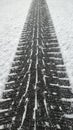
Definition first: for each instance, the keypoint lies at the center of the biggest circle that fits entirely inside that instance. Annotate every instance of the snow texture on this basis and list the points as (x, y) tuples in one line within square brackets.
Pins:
[(12, 18), (62, 16)]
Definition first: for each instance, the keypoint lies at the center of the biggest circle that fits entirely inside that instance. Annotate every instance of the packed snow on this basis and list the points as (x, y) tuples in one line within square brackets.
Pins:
[(12, 18), (62, 16)]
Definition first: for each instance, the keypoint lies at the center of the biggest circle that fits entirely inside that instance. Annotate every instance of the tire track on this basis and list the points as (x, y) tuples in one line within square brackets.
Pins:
[(37, 95)]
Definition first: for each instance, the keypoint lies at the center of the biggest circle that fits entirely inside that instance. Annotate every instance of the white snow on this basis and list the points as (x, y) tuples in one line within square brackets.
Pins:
[(1, 127), (67, 99), (3, 100), (62, 16), (69, 116), (24, 114), (62, 86), (12, 18), (58, 126), (3, 110), (45, 104)]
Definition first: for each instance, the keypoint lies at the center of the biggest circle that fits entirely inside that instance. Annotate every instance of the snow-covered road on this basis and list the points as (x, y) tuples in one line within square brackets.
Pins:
[(12, 17), (62, 15)]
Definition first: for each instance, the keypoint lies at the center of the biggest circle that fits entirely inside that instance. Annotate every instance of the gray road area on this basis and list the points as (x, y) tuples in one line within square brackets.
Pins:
[(37, 95)]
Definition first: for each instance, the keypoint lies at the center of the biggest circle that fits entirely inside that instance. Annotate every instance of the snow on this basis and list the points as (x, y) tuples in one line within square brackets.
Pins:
[(24, 114), (69, 116), (67, 99), (12, 18), (62, 16)]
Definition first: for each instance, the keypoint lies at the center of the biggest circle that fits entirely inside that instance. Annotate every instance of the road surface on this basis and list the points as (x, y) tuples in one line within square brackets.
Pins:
[(37, 95)]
